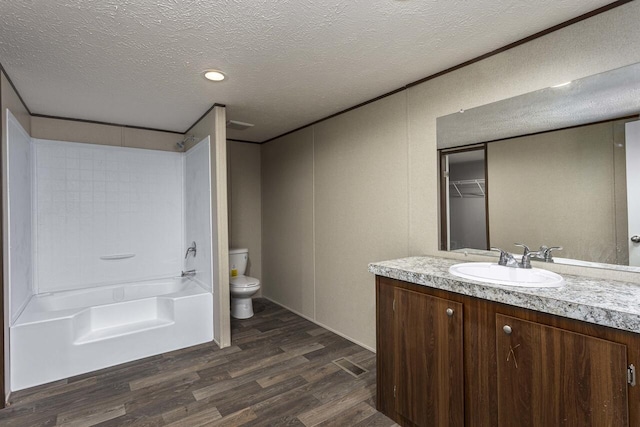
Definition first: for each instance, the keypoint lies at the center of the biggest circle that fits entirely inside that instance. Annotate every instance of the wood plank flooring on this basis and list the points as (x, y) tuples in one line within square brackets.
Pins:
[(278, 372)]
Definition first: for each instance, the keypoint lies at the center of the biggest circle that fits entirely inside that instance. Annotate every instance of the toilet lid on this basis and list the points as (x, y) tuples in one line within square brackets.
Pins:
[(243, 281)]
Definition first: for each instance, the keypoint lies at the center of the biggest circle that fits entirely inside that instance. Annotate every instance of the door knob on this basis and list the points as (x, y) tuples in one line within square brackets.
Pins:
[(449, 312), (507, 329), (635, 239)]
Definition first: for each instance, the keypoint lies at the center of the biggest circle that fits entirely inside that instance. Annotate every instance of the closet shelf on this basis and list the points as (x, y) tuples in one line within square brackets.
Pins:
[(467, 188)]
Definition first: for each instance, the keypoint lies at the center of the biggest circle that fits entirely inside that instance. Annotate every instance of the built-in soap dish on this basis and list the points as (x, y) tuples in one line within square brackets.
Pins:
[(350, 367), (115, 257)]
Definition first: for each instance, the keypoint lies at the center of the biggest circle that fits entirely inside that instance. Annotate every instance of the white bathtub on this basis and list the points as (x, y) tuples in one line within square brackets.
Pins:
[(69, 333)]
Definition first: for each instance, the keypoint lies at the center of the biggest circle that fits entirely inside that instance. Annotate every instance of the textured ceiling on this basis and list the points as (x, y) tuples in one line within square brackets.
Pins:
[(288, 63)]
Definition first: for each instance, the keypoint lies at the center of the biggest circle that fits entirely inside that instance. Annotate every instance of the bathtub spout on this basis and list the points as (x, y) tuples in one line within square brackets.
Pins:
[(188, 273)]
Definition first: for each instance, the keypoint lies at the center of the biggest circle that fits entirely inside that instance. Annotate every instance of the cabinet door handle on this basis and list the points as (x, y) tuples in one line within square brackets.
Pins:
[(507, 329), (449, 312)]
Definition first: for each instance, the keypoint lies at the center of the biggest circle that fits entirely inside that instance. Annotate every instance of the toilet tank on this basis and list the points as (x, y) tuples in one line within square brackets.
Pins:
[(238, 261)]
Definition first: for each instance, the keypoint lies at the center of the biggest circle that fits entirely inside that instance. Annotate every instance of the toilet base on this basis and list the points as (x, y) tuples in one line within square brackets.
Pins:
[(241, 308)]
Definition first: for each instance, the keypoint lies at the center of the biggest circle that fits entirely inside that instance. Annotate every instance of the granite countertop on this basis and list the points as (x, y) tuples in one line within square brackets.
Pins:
[(603, 302)]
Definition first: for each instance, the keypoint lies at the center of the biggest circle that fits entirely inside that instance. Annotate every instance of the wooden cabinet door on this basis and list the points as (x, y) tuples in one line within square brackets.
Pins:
[(429, 376), (552, 377)]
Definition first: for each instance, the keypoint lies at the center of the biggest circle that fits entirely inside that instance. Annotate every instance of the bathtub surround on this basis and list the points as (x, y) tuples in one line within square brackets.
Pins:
[(9, 100), (197, 211), (212, 123), (20, 266), (95, 204), (63, 334), (106, 221)]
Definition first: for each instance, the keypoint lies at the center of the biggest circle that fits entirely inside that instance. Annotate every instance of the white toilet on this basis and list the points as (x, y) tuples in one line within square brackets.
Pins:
[(241, 287)]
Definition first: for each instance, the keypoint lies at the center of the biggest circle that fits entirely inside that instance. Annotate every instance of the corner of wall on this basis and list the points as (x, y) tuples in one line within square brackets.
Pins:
[(223, 303), (9, 100)]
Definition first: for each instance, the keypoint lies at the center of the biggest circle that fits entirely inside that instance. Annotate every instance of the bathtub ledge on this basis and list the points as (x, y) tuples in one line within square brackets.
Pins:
[(122, 330)]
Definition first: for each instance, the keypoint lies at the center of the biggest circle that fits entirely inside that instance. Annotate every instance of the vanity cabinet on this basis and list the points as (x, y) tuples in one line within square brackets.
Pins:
[(446, 359), (420, 369), (428, 360), (549, 376)]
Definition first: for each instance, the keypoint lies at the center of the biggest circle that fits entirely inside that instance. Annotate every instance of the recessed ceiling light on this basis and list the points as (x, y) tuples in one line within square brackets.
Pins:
[(214, 75)]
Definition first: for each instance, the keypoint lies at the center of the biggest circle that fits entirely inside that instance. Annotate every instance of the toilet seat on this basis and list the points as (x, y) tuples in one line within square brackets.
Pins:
[(241, 289), (243, 282)]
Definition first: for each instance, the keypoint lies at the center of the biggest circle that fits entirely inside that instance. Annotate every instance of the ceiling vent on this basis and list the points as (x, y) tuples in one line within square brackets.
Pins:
[(234, 124)]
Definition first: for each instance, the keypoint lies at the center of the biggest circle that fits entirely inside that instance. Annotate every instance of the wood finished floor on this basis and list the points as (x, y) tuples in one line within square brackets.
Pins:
[(278, 372)]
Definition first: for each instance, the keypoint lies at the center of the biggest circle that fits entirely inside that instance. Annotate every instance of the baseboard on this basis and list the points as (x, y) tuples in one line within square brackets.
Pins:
[(322, 325)]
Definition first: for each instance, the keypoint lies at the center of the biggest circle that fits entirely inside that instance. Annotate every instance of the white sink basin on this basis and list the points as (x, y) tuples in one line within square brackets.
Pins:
[(493, 273)]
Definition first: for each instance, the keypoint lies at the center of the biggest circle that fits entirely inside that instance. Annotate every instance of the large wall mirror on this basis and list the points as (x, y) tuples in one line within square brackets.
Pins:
[(555, 167)]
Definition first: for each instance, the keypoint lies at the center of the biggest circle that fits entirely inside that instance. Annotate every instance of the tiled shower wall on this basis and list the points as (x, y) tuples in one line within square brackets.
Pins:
[(20, 266), (197, 210), (95, 202)]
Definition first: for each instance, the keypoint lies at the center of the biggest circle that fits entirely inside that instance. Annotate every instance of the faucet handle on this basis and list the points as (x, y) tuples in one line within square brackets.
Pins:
[(504, 256), (526, 256), (546, 252), (190, 249)]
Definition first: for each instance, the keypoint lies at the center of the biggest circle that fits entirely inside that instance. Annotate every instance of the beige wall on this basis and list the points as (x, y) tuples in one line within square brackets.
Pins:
[(8, 100), (287, 222), (93, 133), (245, 213), (556, 189), (323, 220), (360, 209), (11, 101), (351, 219)]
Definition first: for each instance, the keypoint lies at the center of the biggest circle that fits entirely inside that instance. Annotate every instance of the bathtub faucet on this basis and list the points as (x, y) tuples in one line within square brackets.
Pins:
[(188, 273), (190, 249)]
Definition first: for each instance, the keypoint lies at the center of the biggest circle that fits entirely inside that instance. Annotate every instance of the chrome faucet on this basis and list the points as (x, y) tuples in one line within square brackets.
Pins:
[(508, 260), (188, 273), (190, 249), (526, 256), (544, 254)]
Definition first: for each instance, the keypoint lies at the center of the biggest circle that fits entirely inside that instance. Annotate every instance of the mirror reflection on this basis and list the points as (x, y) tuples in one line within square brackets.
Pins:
[(466, 201), (577, 187)]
